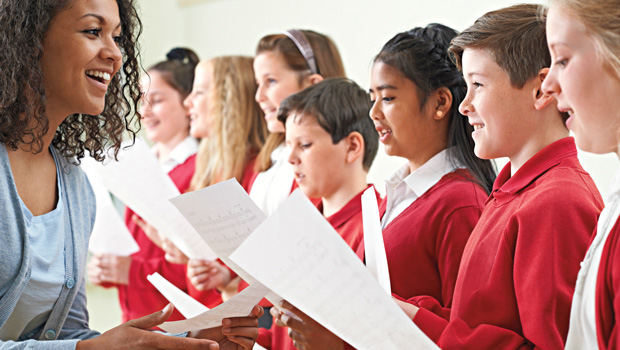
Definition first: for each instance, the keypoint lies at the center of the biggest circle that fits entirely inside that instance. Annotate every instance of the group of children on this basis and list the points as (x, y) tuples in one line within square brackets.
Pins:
[(477, 260)]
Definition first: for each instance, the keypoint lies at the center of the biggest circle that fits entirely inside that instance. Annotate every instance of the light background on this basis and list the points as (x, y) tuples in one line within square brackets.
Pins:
[(358, 27)]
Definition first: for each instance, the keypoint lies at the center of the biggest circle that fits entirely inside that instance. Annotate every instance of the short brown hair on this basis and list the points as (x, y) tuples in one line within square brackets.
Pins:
[(340, 107), (516, 38)]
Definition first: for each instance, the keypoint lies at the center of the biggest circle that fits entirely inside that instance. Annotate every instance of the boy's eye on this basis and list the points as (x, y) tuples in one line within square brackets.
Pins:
[(271, 81), (476, 84), (305, 145), (388, 99), (561, 62)]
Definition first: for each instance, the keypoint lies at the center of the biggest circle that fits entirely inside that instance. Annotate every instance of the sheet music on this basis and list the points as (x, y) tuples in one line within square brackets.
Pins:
[(224, 215), (139, 182), (185, 304), (376, 259), (298, 255), (110, 235), (240, 305)]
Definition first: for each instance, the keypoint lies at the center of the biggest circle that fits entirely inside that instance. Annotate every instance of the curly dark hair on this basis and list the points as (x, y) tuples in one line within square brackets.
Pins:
[(23, 120)]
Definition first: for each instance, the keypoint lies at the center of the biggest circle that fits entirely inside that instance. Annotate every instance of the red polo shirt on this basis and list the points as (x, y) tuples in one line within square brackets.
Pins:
[(519, 267)]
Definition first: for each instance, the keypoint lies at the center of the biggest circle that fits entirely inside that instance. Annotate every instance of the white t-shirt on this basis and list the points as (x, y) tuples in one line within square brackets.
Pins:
[(272, 187), (582, 327)]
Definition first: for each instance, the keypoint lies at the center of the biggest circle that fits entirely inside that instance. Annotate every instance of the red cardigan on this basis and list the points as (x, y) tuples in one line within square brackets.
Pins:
[(608, 292), (424, 243), (139, 297), (349, 224), (519, 268)]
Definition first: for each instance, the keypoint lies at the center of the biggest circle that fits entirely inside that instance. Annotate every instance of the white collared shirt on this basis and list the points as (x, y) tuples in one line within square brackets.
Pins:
[(403, 187), (272, 187), (185, 149), (582, 327)]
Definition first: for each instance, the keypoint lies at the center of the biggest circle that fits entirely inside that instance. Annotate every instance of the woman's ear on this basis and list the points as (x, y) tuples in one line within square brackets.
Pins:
[(355, 147), (541, 99), (443, 103)]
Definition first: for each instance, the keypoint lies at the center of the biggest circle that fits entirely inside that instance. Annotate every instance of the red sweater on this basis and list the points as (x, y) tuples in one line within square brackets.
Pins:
[(348, 223), (425, 242), (608, 292), (139, 297), (519, 268)]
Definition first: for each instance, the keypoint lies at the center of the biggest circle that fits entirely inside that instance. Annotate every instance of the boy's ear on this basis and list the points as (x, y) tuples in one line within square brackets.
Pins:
[(541, 99), (355, 147), (443, 103)]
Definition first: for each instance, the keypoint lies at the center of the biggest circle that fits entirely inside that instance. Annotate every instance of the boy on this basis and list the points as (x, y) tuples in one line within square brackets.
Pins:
[(332, 143), (520, 264)]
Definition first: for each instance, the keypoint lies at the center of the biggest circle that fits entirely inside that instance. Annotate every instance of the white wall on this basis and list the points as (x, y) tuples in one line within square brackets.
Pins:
[(359, 28)]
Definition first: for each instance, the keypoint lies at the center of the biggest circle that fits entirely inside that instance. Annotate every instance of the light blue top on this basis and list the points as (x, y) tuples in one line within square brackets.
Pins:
[(46, 235), (67, 322)]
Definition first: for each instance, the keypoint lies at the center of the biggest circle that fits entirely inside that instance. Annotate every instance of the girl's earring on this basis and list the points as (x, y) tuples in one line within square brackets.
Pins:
[(439, 114)]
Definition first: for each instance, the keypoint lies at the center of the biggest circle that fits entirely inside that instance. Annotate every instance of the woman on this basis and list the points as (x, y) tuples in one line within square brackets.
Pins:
[(61, 96), (584, 41)]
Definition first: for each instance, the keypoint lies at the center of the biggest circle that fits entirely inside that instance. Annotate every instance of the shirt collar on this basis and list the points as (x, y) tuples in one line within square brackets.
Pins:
[(180, 153), (539, 164), (426, 176), (352, 208)]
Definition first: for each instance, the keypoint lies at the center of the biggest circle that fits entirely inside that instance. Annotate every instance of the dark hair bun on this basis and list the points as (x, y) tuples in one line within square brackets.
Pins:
[(184, 55)]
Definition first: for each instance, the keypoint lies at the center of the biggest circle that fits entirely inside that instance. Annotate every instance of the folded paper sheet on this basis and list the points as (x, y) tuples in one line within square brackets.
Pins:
[(110, 235), (224, 215), (298, 255), (376, 260), (148, 196), (185, 304), (240, 305)]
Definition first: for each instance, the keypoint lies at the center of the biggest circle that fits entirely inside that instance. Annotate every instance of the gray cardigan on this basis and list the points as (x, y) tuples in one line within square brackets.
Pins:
[(68, 321)]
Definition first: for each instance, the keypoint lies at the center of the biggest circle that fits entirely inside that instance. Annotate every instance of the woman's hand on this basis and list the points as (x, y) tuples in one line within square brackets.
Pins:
[(135, 335), (236, 333), (205, 275), (108, 268), (306, 334)]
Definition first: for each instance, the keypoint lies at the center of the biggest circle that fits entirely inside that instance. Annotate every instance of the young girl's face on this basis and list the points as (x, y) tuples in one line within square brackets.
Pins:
[(80, 56), (404, 127), (164, 117), (583, 84), (201, 101), (275, 83)]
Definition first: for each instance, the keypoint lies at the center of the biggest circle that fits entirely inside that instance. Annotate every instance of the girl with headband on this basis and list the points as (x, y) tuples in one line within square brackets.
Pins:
[(584, 41), (69, 84)]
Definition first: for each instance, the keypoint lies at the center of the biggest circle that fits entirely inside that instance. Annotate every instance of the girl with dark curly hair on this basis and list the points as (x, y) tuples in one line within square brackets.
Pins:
[(60, 95)]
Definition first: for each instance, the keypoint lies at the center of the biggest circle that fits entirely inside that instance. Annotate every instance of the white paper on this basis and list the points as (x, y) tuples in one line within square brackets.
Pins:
[(376, 260), (298, 255), (258, 347), (139, 182), (224, 215), (185, 304), (240, 305), (110, 235)]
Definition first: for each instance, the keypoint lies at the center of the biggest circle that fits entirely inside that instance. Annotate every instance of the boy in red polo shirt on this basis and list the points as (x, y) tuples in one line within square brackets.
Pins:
[(332, 144), (519, 267)]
